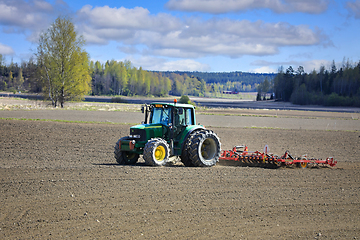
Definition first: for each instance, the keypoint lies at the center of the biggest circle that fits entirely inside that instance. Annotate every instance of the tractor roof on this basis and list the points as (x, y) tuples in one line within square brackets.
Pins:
[(182, 105)]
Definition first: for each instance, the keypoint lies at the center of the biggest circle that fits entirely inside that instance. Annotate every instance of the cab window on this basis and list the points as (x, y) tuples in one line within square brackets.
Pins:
[(180, 117), (189, 116), (161, 115)]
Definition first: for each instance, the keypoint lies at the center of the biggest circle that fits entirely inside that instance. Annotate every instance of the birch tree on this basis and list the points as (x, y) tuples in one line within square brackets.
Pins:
[(63, 63)]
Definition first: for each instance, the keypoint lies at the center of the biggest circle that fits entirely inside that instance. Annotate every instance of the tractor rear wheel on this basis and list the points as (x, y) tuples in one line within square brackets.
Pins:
[(185, 156), (204, 150), (156, 152), (125, 158)]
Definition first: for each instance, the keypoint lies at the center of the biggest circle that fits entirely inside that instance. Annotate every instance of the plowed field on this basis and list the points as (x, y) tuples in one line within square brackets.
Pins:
[(60, 180)]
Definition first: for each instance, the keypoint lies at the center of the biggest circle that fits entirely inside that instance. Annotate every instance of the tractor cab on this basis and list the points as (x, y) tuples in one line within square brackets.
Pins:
[(169, 114), (173, 119)]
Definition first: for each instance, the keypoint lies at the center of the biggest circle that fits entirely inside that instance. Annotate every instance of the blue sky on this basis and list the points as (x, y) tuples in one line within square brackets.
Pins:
[(194, 35)]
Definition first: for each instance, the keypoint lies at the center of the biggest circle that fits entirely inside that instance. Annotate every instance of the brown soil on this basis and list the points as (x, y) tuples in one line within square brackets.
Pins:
[(60, 180)]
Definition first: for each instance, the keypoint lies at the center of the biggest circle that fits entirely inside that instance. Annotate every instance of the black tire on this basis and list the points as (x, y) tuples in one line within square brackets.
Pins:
[(156, 152), (205, 149), (125, 158), (185, 155)]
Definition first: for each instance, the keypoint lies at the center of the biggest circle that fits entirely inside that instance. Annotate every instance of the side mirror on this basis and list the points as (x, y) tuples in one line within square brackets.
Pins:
[(142, 109)]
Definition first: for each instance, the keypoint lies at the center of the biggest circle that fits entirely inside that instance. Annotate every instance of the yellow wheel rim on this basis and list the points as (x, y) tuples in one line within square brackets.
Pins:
[(160, 153), (303, 164)]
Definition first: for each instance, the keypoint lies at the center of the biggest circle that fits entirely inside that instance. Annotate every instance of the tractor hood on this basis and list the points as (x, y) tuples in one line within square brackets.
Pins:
[(142, 132)]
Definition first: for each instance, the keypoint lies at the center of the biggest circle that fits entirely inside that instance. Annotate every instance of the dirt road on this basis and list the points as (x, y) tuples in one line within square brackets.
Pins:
[(59, 180)]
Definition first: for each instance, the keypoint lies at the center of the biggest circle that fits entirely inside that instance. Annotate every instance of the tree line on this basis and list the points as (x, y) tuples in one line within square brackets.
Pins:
[(121, 78), (329, 87), (224, 77), (218, 82), (18, 78)]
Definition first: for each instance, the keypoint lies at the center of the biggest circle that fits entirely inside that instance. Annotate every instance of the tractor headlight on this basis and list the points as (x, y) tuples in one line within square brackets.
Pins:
[(134, 136)]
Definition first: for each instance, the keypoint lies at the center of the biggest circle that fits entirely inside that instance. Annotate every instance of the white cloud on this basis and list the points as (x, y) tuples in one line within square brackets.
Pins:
[(22, 14), (6, 50), (128, 49), (315, 64), (34, 15), (226, 6), (308, 66), (123, 18), (185, 65), (42, 5), (166, 35), (354, 8), (161, 64), (265, 69)]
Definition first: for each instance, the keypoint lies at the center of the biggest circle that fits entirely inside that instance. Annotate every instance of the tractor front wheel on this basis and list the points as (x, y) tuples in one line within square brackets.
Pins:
[(156, 152), (125, 158)]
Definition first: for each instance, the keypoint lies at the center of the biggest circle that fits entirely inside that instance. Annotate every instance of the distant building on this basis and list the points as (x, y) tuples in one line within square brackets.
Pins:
[(230, 92)]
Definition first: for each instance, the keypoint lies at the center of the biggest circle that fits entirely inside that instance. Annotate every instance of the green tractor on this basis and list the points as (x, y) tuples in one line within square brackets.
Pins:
[(169, 130)]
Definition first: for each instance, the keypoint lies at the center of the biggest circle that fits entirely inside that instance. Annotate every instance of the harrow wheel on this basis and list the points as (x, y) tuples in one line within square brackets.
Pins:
[(156, 152), (125, 158), (302, 165), (204, 150)]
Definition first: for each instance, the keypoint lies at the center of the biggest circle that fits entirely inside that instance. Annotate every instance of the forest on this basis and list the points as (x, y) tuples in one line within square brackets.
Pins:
[(329, 87), (117, 78)]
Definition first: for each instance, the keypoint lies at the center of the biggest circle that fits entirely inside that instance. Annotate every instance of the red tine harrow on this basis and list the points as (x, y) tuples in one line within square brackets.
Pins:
[(242, 155)]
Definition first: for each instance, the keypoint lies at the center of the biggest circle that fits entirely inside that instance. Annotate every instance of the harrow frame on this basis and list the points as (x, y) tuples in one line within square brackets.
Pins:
[(242, 154)]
